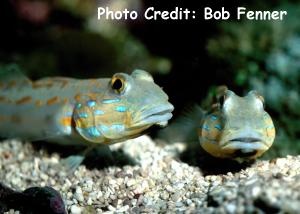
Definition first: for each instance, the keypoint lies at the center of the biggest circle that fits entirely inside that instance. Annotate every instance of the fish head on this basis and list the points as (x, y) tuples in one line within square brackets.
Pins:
[(129, 105), (240, 128)]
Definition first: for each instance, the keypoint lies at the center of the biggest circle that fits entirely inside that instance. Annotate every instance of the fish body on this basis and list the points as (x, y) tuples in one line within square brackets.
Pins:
[(237, 127), (81, 112)]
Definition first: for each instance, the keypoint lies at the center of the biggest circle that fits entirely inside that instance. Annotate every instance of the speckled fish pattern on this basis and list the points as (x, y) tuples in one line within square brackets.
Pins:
[(73, 111), (238, 127)]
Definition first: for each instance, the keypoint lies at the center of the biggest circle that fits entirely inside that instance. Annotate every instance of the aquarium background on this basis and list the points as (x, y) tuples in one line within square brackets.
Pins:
[(189, 59)]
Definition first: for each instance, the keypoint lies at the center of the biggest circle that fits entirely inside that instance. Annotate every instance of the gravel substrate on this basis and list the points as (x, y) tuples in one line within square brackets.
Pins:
[(158, 182)]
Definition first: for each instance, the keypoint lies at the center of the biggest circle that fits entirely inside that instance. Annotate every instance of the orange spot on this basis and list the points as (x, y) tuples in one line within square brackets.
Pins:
[(16, 119), (77, 97), (42, 85), (66, 121), (63, 83), (36, 85), (38, 103), (11, 84), (57, 80), (2, 98), (52, 100), (128, 119), (199, 131), (271, 132), (66, 100), (93, 82), (92, 96), (2, 118), (23, 100), (49, 85)]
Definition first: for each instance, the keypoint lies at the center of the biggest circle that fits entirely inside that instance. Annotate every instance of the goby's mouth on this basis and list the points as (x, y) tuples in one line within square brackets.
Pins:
[(159, 116), (246, 144)]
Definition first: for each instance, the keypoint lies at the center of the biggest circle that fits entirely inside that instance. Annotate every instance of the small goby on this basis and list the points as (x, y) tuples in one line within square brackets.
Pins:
[(238, 127), (81, 112)]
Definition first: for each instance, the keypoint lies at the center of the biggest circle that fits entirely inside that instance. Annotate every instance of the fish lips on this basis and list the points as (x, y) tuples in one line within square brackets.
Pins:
[(159, 116), (246, 144)]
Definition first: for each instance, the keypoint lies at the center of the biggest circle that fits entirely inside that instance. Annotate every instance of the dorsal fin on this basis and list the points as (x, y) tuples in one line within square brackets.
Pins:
[(184, 128), (12, 74)]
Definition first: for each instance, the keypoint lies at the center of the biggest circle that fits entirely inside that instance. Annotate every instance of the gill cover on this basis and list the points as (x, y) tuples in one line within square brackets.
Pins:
[(95, 114), (84, 119)]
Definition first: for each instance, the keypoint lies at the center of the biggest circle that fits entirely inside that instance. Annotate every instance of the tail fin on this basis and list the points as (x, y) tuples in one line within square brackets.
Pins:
[(184, 128)]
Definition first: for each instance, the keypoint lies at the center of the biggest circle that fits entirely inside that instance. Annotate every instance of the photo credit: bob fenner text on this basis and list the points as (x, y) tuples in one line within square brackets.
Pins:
[(243, 13), (179, 13)]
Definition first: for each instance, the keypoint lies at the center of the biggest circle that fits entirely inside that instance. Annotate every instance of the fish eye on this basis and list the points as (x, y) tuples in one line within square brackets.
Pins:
[(261, 100), (221, 94), (222, 100), (118, 84), (260, 97)]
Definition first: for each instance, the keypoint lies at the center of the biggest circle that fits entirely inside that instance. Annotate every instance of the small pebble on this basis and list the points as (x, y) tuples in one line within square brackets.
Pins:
[(75, 209), (78, 195), (158, 182)]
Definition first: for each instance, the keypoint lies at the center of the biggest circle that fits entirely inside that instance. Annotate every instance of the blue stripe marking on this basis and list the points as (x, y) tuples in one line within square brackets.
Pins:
[(93, 132), (118, 127), (104, 128), (108, 101), (98, 112), (218, 126), (91, 103), (205, 127), (213, 117), (121, 108), (114, 128), (69, 114), (82, 115), (78, 105)]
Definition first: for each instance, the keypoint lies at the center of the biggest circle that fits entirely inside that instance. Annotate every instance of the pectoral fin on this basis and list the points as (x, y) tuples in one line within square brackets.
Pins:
[(72, 162), (184, 128)]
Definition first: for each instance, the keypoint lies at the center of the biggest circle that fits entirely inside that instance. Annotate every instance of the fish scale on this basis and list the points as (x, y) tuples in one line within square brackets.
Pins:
[(80, 111), (235, 127), (239, 128)]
